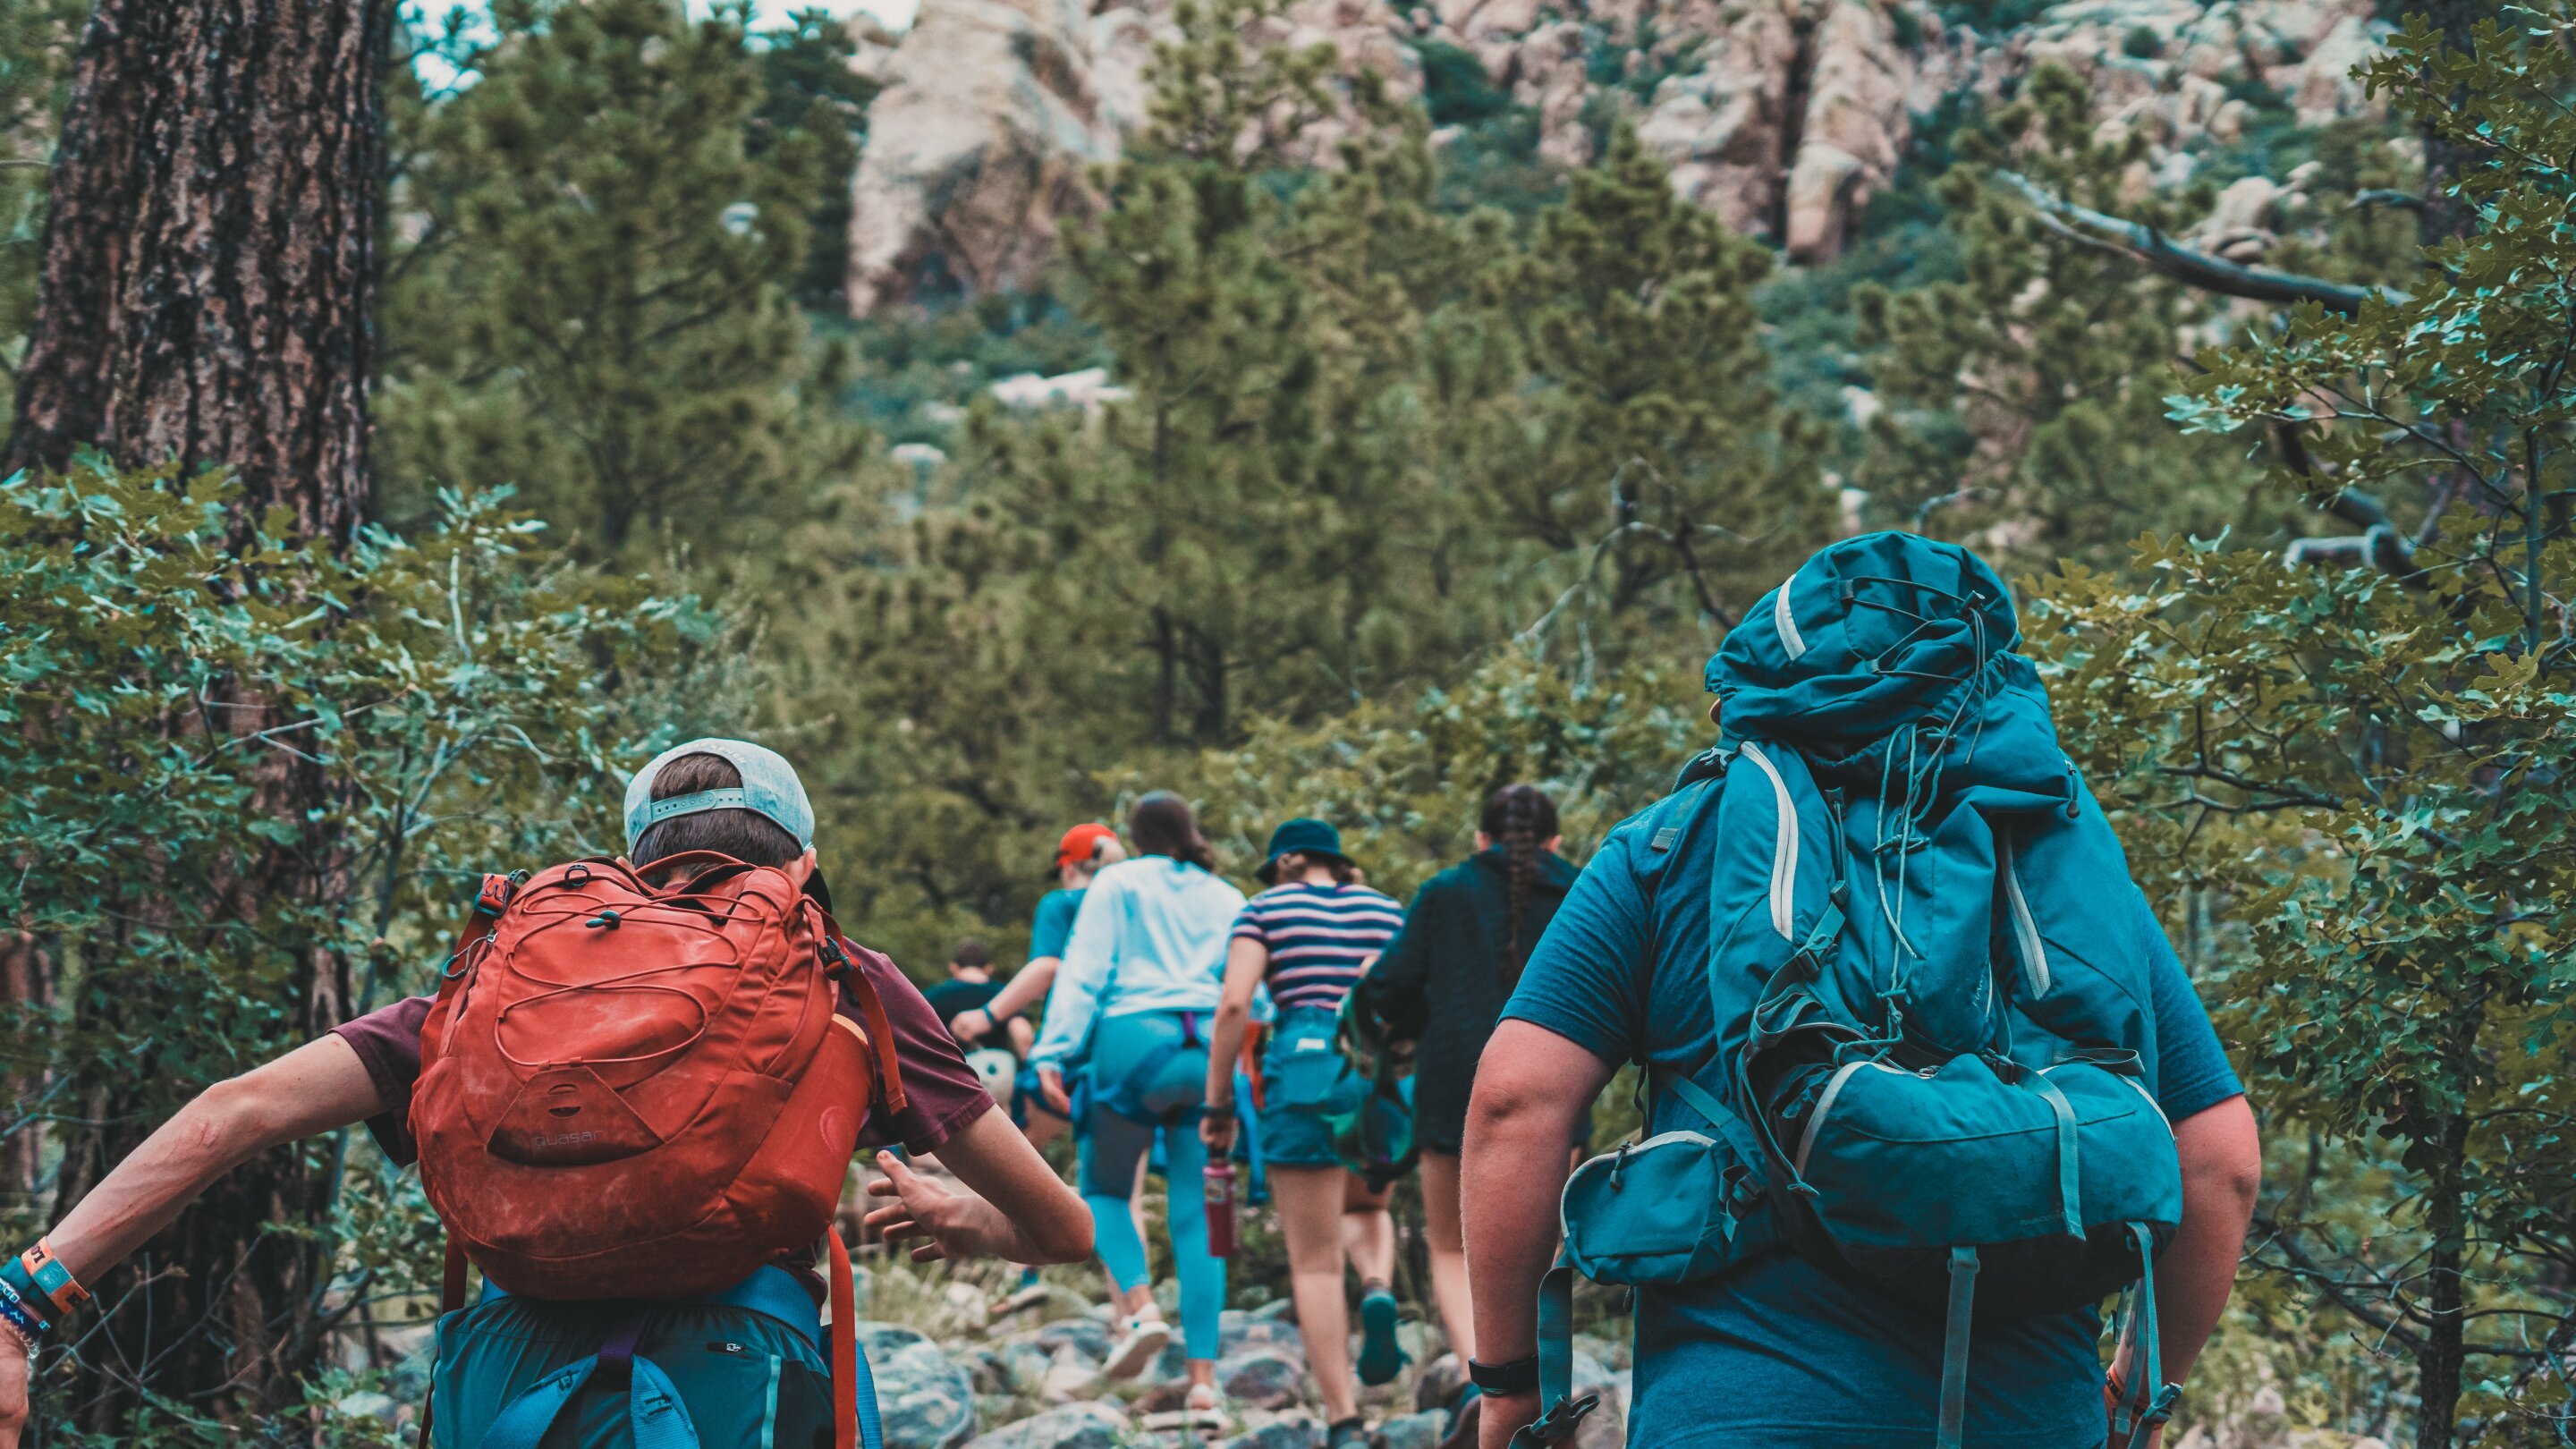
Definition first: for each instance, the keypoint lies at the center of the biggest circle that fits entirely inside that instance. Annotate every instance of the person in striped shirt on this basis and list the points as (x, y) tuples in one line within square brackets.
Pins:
[(1309, 938)]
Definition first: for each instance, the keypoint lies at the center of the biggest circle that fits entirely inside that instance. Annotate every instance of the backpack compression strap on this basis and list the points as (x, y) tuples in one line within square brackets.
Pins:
[(2138, 1417), (1563, 1412), (854, 1390), (1954, 1346)]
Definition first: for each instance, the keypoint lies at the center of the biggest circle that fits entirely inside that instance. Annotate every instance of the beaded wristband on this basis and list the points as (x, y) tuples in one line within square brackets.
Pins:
[(21, 1314)]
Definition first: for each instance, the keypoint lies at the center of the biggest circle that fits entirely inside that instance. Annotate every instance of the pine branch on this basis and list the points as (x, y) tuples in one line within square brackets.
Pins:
[(2188, 265)]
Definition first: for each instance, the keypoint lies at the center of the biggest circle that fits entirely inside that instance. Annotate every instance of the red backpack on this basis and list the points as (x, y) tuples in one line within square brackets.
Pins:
[(625, 1084)]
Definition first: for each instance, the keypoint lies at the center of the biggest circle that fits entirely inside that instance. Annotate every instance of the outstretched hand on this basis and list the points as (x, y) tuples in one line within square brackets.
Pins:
[(954, 1223), (13, 1385)]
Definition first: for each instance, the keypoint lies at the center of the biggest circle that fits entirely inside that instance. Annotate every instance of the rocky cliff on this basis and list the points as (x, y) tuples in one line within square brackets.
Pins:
[(1784, 116)]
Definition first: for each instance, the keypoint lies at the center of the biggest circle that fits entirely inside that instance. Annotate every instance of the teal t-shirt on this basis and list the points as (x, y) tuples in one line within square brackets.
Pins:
[(1776, 1353), (1054, 925)]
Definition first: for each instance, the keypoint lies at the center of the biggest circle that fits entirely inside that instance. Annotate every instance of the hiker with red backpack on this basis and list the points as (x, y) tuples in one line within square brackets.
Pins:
[(634, 1097), (1925, 1084)]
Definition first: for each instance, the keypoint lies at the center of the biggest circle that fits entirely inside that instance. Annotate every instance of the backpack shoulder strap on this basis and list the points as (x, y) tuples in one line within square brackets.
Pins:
[(1664, 823), (840, 960)]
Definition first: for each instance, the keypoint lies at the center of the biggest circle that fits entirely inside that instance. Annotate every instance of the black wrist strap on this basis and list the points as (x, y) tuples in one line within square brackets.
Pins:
[(1520, 1376)]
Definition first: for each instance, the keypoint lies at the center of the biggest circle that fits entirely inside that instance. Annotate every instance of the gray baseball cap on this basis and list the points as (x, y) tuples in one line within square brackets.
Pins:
[(769, 786)]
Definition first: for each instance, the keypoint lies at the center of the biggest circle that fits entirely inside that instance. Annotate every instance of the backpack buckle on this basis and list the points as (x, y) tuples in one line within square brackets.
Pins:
[(1558, 1424)]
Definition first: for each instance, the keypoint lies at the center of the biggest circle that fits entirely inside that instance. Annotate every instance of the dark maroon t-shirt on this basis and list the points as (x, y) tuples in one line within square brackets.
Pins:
[(942, 1094)]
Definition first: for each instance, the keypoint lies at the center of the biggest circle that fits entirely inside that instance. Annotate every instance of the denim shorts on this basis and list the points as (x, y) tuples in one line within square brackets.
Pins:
[(1305, 1081)]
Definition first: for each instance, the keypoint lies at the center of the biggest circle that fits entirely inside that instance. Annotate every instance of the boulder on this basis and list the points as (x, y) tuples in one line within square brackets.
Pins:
[(925, 1399), (994, 112), (1263, 1377), (976, 148), (1723, 126), (1412, 1431), (1439, 1383), (1237, 1331), (1855, 131), (1292, 1431), (1089, 1336), (1074, 1426), (1071, 1375)]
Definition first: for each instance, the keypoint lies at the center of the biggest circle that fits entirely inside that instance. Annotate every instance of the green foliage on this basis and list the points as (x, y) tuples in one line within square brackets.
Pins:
[(1404, 779), (1654, 447), (446, 705), (454, 704), (2023, 398), (2364, 766), (36, 40), (594, 307), (1455, 88)]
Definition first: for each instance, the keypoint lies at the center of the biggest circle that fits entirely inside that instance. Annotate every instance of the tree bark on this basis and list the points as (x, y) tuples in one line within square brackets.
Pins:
[(205, 300), (2442, 1360), (210, 251)]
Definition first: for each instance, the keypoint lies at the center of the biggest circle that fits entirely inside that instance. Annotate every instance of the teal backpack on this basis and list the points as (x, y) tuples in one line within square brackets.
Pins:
[(1935, 1064)]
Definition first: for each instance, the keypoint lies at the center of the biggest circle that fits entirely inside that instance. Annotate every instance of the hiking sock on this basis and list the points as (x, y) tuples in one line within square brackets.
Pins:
[(1381, 1357), (1346, 1432)]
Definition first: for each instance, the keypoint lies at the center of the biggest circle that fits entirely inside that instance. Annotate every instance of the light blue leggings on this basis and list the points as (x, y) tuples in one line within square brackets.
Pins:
[(1149, 1080)]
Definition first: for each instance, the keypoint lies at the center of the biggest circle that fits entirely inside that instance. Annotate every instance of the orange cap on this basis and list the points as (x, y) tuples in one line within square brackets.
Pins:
[(1081, 842)]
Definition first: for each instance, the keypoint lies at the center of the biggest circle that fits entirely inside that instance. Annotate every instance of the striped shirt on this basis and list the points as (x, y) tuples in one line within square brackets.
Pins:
[(1319, 937)]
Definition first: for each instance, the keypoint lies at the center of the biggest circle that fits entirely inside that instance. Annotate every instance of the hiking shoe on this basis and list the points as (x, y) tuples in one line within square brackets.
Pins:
[(1348, 1434), (1142, 1337), (1381, 1358)]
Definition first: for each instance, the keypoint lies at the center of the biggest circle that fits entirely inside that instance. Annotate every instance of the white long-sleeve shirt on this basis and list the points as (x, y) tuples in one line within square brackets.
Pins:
[(1151, 936)]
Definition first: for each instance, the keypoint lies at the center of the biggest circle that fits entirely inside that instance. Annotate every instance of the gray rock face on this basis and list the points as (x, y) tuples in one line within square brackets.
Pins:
[(925, 1399), (1074, 1426)]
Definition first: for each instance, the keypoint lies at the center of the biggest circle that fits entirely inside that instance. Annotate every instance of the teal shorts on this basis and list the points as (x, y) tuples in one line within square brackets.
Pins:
[(1304, 1082), (747, 1378)]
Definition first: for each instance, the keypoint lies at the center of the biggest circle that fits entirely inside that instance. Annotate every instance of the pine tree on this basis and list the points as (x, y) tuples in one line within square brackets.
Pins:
[(209, 264), (597, 309), (1654, 455), (207, 281), (2025, 400)]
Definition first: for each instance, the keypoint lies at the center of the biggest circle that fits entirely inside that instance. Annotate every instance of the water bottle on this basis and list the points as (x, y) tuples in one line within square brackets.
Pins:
[(1217, 1181)]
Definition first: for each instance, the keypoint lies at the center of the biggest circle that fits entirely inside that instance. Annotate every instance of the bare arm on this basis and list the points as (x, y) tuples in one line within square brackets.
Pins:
[(1023, 991), (316, 1088), (1246, 962), (1020, 1209), (2222, 1169), (1531, 1088), (313, 1089)]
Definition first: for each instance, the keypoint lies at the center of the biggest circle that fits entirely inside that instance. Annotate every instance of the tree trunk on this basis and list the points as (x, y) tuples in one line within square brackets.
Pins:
[(210, 251), (205, 300), (2441, 1361)]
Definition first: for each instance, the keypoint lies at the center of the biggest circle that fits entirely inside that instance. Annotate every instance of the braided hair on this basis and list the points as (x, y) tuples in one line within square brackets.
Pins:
[(1521, 819)]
